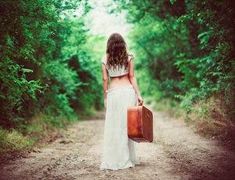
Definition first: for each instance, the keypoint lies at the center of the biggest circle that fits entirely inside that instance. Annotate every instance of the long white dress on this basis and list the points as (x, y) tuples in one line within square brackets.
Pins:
[(118, 150)]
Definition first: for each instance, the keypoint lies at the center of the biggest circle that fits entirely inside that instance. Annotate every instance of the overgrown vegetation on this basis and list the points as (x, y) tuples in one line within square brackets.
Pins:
[(188, 46), (45, 65), (50, 64)]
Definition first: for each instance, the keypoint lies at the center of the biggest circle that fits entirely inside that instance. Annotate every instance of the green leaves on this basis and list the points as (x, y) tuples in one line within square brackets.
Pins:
[(204, 38), (173, 1), (36, 47), (25, 70), (15, 88), (187, 46), (59, 74)]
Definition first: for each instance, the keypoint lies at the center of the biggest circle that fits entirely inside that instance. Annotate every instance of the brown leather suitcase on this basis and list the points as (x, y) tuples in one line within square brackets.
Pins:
[(140, 123)]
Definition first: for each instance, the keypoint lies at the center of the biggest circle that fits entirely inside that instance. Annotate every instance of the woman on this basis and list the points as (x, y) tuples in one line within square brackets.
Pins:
[(118, 150)]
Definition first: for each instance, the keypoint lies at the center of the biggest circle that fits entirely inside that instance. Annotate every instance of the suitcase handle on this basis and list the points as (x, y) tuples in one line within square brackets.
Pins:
[(139, 104)]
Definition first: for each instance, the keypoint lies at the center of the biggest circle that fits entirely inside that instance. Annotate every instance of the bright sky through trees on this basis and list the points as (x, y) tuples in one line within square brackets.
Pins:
[(101, 22)]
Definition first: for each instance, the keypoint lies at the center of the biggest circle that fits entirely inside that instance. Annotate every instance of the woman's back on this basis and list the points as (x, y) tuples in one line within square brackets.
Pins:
[(118, 76)]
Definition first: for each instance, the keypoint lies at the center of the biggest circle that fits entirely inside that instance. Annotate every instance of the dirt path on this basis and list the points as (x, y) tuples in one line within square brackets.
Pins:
[(176, 153)]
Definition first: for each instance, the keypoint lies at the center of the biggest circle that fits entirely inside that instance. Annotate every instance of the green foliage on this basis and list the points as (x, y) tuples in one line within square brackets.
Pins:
[(13, 141), (38, 42), (184, 51), (15, 89), (187, 46)]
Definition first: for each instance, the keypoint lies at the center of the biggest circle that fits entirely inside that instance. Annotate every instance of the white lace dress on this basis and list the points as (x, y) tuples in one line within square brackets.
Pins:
[(118, 150)]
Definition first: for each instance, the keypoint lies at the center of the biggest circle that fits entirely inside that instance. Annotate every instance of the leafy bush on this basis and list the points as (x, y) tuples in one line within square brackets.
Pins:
[(187, 46), (13, 140), (37, 41)]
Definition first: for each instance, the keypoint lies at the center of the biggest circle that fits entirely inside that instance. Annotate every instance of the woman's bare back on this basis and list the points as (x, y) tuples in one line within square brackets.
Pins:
[(119, 81)]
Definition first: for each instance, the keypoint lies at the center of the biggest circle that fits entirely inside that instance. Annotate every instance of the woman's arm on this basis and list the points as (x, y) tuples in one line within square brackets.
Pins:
[(133, 80), (105, 81)]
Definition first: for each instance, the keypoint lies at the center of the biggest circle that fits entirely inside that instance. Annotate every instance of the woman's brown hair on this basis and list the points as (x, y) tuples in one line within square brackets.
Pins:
[(116, 51)]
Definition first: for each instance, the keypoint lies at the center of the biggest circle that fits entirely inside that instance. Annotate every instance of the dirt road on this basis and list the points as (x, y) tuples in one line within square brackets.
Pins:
[(176, 153)]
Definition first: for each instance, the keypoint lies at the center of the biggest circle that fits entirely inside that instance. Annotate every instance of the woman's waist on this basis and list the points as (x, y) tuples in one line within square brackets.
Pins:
[(119, 82), (120, 87)]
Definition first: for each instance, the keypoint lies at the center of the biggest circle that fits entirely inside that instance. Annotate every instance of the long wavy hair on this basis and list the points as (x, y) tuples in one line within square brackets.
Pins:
[(116, 51)]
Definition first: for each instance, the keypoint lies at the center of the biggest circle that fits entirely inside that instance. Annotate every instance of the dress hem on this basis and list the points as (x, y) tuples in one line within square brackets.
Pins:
[(106, 166)]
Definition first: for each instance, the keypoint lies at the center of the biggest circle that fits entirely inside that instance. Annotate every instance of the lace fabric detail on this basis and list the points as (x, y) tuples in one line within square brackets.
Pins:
[(119, 71), (114, 72)]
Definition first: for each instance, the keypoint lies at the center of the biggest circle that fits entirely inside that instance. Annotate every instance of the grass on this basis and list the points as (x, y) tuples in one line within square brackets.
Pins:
[(209, 117), (171, 107), (14, 141), (41, 129)]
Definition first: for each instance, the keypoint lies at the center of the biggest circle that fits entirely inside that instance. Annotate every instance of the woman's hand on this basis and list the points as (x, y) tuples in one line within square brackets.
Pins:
[(140, 100)]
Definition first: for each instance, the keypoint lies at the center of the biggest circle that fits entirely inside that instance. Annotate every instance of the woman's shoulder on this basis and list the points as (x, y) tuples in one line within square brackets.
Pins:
[(130, 56), (104, 59)]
